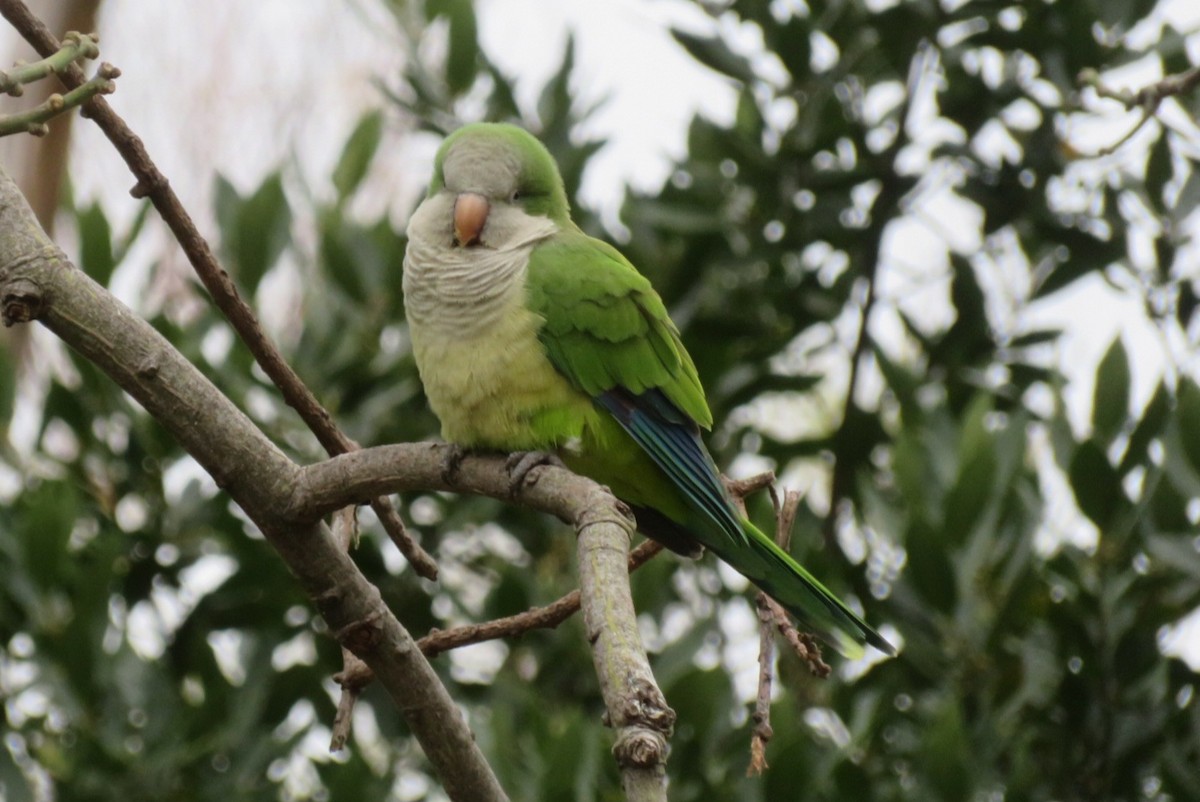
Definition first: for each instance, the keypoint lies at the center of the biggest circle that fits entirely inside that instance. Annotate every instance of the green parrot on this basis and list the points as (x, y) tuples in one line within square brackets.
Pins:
[(531, 336)]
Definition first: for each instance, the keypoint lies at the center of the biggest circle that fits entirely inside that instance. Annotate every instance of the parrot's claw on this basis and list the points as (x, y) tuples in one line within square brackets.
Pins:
[(520, 463), (451, 462)]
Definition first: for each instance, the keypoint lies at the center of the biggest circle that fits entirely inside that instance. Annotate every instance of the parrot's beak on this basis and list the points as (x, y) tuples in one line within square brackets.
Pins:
[(470, 215)]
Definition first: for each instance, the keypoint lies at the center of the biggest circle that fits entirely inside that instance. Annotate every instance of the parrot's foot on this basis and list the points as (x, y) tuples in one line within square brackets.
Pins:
[(455, 455), (520, 463)]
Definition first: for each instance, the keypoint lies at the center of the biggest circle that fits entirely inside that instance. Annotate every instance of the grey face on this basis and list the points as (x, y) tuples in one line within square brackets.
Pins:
[(489, 167)]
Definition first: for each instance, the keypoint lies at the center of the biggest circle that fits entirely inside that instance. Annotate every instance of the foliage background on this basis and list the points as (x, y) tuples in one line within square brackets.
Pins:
[(1031, 565)]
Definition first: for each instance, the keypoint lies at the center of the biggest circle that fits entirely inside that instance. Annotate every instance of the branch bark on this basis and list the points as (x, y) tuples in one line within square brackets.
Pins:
[(636, 707), (288, 501), (38, 283), (152, 184)]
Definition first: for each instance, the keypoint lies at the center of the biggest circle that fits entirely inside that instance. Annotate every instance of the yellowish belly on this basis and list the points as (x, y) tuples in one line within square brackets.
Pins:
[(497, 389)]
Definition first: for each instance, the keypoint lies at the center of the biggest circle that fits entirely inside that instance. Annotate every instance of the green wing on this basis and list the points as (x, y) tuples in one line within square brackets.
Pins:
[(607, 332), (606, 327)]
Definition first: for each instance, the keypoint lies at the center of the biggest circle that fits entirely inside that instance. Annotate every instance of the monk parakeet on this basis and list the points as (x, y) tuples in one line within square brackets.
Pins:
[(530, 335)]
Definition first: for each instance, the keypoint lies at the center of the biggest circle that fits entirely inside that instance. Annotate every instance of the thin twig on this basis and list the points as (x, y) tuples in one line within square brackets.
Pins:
[(772, 616), (546, 617), (345, 527), (1148, 98), (153, 184), (740, 488), (33, 121), (803, 644), (356, 675), (762, 702), (785, 517), (892, 190), (75, 46), (38, 283)]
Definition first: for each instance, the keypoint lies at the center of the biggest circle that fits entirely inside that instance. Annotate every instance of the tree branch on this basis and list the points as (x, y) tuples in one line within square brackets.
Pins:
[(636, 707), (762, 704), (356, 674), (1148, 98), (76, 47), (38, 283), (770, 614), (287, 502), (545, 617), (892, 190), (152, 184)]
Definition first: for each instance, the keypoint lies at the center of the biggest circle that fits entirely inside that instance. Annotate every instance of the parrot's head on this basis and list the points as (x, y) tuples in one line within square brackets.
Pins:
[(492, 184)]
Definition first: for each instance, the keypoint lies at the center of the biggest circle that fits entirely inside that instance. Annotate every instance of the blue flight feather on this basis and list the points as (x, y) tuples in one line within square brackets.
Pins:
[(673, 442)]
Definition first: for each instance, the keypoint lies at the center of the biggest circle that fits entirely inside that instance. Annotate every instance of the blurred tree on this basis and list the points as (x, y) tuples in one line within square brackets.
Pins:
[(859, 264), (40, 163)]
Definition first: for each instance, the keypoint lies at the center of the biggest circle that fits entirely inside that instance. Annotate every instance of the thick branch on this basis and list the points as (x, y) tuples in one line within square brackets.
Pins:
[(637, 709), (37, 283), (152, 184), (357, 675), (287, 502)]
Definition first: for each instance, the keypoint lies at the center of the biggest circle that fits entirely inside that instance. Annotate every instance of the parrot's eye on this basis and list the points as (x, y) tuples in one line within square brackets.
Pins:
[(515, 196)]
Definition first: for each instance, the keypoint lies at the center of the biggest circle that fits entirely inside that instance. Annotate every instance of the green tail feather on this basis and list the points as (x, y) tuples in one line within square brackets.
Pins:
[(672, 441), (801, 594)]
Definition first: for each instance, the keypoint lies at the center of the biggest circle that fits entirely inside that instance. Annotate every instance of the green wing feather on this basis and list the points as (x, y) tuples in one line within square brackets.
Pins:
[(605, 325), (607, 331)]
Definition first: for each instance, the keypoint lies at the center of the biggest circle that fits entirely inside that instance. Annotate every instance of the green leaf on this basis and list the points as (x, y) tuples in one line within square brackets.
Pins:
[(1096, 484), (793, 45), (1110, 401), (1122, 13), (972, 489), (714, 53), (1187, 413), (929, 563), (254, 229), (95, 244), (1145, 430), (1168, 507), (1189, 196), (47, 515), (13, 781), (555, 100), (139, 222), (945, 753), (357, 154), (1033, 338), (462, 57), (1158, 172), (1177, 552)]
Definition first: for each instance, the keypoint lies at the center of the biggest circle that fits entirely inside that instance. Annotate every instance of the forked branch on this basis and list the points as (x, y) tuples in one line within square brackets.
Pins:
[(75, 47)]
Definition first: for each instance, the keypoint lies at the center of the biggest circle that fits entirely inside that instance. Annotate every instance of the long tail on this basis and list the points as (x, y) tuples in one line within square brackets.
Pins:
[(801, 594), (673, 442)]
